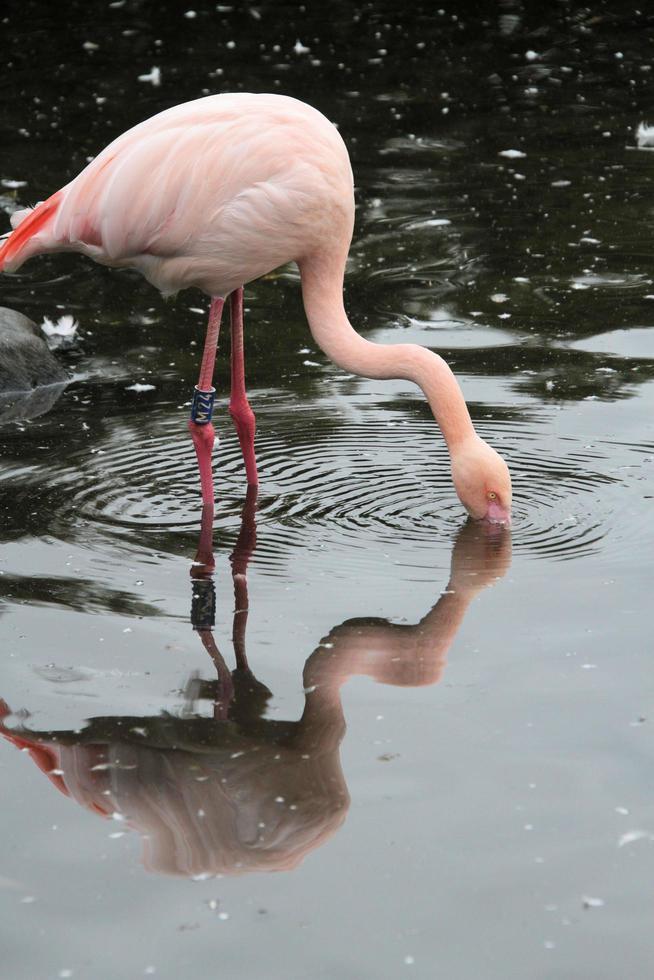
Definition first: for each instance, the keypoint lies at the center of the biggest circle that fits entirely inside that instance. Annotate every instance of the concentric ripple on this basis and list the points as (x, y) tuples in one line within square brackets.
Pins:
[(341, 480)]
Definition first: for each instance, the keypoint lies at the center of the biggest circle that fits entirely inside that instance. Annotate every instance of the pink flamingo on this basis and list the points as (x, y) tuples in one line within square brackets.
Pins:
[(220, 191)]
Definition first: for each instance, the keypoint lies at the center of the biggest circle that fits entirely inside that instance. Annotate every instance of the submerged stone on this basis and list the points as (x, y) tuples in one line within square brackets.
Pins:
[(31, 378)]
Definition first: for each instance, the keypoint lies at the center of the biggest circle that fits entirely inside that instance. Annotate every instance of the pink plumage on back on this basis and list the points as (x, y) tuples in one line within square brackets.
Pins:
[(213, 194)]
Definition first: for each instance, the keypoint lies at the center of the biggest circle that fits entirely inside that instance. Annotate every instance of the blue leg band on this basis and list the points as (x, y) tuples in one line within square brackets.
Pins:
[(202, 406)]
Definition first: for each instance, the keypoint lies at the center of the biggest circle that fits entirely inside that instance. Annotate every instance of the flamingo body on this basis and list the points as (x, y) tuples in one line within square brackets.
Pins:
[(212, 193)]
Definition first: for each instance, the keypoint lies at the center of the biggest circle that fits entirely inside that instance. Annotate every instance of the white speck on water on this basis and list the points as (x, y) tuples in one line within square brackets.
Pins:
[(153, 77), (190, 14), (59, 331), (589, 666), (27, 899), (592, 903), (196, 309), (128, 629), (300, 48), (520, 279), (138, 387), (409, 960), (633, 835), (549, 944), (379, 718), (549, 385), (499, 297), (201, 813), (531, 55), (589, 241), (619, 55), (213, 904), (231, 45), (279, 799), (236, 755), (65, 973), (223, 915), (560, 183), (622, 810), (13, 185), (644, 136), (117, 835), (504, 316), (101, 767), (90, 46), (203, 876), (117, 816), (311, 363), (149, 970), (512, 154)]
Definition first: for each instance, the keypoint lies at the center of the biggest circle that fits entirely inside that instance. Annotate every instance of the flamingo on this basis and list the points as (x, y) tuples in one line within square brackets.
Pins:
[(217, 192)]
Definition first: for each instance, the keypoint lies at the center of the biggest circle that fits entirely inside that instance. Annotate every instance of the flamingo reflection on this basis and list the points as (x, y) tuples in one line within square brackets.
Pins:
[(237, 791)]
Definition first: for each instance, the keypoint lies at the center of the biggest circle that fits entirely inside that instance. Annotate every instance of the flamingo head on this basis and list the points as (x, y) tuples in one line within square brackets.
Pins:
[(482, 481)]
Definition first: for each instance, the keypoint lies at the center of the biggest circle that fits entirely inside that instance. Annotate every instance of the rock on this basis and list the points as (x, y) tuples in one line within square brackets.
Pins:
[(31, 379)]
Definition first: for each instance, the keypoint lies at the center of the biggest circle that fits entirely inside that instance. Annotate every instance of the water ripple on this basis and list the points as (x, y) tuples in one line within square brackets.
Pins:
[(338, 478)]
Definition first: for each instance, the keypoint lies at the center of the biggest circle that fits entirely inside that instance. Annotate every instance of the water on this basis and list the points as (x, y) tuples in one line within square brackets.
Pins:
[(434, 757)]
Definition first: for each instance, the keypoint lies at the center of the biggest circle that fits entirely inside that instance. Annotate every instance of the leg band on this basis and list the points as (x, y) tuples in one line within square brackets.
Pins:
[(203, 604), (202, 406)]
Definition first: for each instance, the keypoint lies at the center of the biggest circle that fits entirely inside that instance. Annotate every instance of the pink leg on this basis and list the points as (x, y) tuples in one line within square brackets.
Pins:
[(243, 549), (202, 431), (239, 407)]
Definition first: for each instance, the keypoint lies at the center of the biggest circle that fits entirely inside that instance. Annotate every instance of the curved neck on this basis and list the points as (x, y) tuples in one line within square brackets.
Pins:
[(322, 291)]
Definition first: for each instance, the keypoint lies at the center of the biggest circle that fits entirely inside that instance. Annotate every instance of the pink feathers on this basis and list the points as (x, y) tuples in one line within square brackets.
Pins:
[(12, 253)]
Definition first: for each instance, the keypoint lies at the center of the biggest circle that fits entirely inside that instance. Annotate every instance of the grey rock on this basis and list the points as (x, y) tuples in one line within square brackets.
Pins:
[(31, 378)]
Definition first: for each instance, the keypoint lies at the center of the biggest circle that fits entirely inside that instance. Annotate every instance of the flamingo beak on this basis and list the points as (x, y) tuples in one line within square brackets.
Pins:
[(496, 514)]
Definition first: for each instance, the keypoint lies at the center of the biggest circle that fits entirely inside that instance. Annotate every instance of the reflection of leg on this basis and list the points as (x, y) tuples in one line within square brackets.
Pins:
[(225, 685), (200, 426), (239, 406), (204, 563), (243, 549), (250, 695)]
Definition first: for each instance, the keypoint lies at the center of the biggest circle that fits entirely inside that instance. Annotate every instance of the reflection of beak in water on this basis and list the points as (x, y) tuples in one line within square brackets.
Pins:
[(239, 792)]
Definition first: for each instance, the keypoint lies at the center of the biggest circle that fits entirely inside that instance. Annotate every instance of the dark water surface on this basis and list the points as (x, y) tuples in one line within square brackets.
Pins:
[(437, 761)]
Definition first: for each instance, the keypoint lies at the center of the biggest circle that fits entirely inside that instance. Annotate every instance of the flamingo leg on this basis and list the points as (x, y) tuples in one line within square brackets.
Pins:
[(200, 426), (243, 549), (239, 407)]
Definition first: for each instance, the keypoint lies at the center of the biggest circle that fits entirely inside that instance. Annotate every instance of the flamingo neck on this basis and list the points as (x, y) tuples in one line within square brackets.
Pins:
[(322, 291)]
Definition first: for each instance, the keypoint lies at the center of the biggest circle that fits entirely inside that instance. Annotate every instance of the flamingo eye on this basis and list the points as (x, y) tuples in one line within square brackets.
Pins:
[(492, 495)]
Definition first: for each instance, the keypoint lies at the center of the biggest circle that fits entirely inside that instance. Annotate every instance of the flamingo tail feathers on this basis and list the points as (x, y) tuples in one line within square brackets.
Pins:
[(26, 229)]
